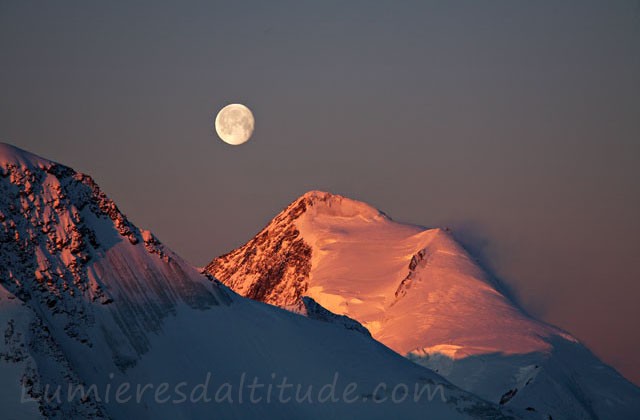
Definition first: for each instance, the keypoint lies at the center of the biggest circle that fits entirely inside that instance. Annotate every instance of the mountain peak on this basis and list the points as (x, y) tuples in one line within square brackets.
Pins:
[(12, 155), (315, 195), (324, 203)]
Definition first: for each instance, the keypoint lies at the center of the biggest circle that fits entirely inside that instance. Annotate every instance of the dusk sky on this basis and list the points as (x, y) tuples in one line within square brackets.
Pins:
[(517, 124)]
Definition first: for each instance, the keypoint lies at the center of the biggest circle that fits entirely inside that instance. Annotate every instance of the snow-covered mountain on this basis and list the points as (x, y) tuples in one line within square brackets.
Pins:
[(420, 293), (90, 302)]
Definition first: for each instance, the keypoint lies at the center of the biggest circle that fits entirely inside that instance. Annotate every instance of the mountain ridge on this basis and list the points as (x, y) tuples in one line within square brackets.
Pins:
[(88, 299)]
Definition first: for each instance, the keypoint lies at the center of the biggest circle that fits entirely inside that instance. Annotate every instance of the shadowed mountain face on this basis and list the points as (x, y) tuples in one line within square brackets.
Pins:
[(89, 300), (66, 245), (420, 293)]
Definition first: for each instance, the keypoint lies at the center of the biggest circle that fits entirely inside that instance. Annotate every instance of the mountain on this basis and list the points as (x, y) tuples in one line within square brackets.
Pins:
[(100, 320), (420, 293)]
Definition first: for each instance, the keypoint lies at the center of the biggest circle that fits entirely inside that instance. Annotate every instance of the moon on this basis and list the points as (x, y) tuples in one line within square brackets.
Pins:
[(234, 124)]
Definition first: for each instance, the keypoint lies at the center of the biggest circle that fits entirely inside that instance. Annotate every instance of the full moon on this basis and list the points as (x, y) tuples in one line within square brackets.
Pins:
[(234, 124)]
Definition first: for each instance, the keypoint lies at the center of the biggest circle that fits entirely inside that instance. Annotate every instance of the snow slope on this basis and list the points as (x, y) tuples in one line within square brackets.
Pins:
[(420, 293), (89, 300)]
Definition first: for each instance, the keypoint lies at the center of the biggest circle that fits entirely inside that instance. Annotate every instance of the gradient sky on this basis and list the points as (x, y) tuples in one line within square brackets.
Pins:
[(515, 123)]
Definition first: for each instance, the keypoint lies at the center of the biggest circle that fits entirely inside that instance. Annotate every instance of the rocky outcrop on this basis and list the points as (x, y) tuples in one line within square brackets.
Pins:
[(273, 267), (312, 309)]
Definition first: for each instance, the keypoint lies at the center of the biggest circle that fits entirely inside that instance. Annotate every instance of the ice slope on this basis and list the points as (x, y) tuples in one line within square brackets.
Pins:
[(420, 293), (88, 299)]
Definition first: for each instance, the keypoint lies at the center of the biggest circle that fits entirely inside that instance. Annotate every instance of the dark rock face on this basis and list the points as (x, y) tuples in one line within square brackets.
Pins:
[(405, 284), (314, 310), (506, 397), (48, 243), (277, 261), (35, 234)]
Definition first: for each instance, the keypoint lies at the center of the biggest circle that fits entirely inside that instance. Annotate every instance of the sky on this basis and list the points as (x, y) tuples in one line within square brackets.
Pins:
[(515, 123)]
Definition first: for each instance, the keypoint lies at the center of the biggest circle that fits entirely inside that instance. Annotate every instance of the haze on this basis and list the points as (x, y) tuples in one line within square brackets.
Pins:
[(516, 124)]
